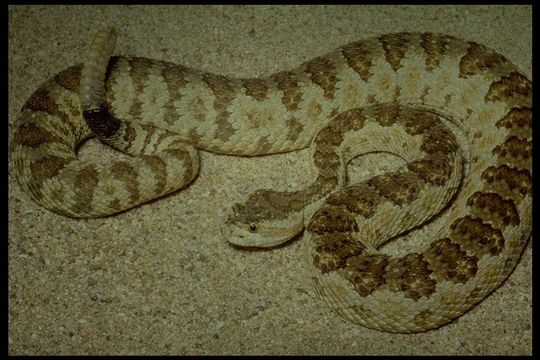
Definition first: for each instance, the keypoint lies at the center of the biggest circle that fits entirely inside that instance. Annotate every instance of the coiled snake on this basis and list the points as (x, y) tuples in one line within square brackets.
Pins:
[(414, 95)]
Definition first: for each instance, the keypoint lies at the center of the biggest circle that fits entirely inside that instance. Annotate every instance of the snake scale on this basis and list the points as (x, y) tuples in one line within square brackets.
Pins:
[(457, 113)]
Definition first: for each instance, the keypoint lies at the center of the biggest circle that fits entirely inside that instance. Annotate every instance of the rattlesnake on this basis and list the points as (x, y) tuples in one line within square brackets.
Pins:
[(412, 94)]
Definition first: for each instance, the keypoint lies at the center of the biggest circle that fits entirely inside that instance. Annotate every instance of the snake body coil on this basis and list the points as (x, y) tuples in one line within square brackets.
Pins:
[(407, 93)]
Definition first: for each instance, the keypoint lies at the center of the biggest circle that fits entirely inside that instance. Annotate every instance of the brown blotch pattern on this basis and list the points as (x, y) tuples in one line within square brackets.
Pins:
[(287, 82), (359, 199), (519, 120), (411, 275), (390, 115), (184, 157), (508, 87), (514, 148), (224, 91), (263, 145), (332, 219), (86, 181), (70, 78), (479, 59), (435, 169), (294, 129), (127, 174), (327, 161), (352, 119), (255, 88), (491, 205), (395, 46), (477, 237), (224, 129), (149, 133), (33, 135), (516, 181), (323, 73), (130, 135), (175, 76), (43, 102), (194, 136), (333, 250), (159, 168), (330, 135), (367, 272), (435, 47), (439, 140), (139, 70), (222, 88), (448, 260), (47, 167), (359, 57), (175, 79), (418, 122), (400, 188)]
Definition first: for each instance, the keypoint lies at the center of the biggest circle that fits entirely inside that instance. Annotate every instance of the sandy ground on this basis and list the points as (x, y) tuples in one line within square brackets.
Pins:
[(160, 279)]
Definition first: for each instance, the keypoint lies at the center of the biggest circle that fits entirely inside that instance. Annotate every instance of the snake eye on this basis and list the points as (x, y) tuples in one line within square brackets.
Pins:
[(252, 228)]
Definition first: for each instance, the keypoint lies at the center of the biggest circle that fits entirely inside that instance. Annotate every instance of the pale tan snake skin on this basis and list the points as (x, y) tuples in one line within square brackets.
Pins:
[(457, 113)]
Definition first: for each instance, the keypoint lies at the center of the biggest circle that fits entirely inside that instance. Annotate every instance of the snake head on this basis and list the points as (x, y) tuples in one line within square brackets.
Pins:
[(259, 223)]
